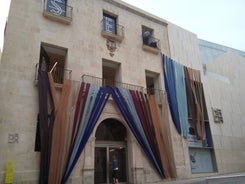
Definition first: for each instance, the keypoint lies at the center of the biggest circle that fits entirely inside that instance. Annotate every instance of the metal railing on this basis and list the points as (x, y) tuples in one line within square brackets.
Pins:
[(119, 29), (156, 92), (59, 74), (107, 82), (151, 42), (58, 9)]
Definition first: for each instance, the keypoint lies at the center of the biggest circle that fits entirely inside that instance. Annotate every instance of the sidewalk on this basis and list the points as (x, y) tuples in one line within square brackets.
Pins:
[(238, 178)]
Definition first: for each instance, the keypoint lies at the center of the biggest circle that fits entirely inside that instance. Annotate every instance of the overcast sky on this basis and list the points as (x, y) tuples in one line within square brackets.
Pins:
[(4, 8), (218, 21)]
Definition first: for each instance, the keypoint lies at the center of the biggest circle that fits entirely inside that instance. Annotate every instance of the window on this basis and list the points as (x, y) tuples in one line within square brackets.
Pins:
[(110, 27), (111, 130), (152, 84), (110, 73), (109, 23), (147, 35), (54, 56), (58, 10), (56, 7), (149, 42)]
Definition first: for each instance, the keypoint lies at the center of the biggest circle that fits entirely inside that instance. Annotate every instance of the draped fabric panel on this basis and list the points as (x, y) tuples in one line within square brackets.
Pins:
[(46, 119), (196, 101), (89, 102), (96, 100), (169, 77), (181, 98), (58, 135), (76, 113), (81, 100), (190, 98), (125, 104), (186, 97), (69, 125), (159, 137), (170, 86), (200, 110), (142, 109), (167, 138)]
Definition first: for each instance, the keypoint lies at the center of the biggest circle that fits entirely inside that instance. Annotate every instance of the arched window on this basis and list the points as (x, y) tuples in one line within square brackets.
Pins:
[(111, 130)]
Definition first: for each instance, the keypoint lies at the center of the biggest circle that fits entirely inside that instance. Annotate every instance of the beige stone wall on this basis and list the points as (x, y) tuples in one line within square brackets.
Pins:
[(86, 48), (18, 95), (224, 89), (27, 29), (183, 49), (183, 46), (224, 84)]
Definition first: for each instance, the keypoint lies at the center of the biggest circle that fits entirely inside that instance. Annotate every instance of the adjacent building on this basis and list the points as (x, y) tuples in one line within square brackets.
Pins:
[(85, 81)]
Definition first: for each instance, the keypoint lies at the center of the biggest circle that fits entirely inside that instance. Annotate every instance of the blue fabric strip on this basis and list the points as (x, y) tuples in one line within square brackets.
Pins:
[(96, 103), (125, 104), (93, 90), (169, 79), (181, 98)]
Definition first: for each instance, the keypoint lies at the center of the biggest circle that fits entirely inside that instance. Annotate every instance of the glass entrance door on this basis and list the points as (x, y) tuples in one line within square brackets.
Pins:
[(100, 168), (110, 142), (103, 164)]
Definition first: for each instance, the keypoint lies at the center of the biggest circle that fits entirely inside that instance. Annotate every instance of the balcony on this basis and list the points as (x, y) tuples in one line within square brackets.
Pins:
[(117, 34), (151, 44), (58, 11), (58, 73), (105, 82)]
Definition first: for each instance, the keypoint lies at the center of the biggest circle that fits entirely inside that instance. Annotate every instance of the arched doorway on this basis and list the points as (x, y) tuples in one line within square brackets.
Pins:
[(110, 141)]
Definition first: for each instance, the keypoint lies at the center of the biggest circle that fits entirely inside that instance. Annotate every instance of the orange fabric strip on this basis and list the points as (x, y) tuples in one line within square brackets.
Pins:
[(159, 136), (58, 136)]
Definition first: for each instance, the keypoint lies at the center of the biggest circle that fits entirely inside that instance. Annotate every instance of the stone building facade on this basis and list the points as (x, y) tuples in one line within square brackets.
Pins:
[(103, 42)]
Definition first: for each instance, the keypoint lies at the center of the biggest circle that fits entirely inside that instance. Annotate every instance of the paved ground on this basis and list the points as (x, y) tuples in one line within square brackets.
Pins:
[(222, 179)]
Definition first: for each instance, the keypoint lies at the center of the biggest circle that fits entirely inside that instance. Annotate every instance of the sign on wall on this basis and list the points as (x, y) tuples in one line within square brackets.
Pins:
[(218, 118)]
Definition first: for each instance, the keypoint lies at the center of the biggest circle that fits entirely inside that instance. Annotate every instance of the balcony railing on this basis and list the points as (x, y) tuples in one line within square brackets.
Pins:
[(105, 82), (118, 33), (59, 74), (156, 92), (108, 82), (58, 11), (151, 44)]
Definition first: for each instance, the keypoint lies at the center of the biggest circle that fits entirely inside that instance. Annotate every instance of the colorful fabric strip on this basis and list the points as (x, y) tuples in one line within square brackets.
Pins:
[(125, 104), (170, 86), (69, 140), (181, 98), (46, 123)]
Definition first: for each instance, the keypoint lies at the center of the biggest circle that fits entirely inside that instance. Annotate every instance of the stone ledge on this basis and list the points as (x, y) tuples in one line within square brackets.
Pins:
[(58, 18), (151, 49)]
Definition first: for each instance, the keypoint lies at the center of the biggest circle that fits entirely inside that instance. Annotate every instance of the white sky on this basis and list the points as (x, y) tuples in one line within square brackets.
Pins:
[(4, 8), (218, 21)]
